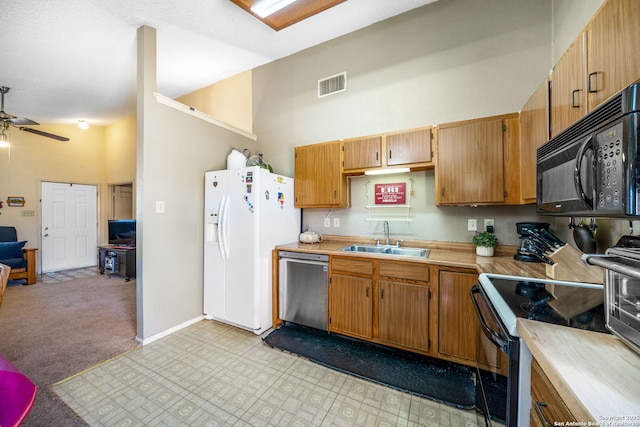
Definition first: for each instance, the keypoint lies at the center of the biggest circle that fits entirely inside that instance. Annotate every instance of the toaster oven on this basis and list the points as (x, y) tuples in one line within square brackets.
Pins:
[(622, 291)]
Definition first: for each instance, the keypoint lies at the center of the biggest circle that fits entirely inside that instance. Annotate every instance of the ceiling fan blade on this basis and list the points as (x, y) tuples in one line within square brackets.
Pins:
[(41, 133), (22, 121)]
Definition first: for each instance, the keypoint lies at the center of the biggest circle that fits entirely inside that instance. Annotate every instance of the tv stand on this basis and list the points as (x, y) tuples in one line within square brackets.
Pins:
[(116, 259)]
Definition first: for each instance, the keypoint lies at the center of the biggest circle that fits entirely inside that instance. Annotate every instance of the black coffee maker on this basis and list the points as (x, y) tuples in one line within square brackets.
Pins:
[(524, 253)]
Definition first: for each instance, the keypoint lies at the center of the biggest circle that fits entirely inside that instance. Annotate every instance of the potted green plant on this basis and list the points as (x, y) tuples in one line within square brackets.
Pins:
[(485, 243)]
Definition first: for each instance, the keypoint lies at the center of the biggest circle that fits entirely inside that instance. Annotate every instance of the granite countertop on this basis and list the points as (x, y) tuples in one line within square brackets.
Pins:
[(597, 375), (461, 255)]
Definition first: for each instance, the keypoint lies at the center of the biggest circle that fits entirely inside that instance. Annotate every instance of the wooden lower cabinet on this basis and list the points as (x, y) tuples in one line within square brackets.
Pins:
[(459, 337), (381, 301), (457, 324), (403, 314), (401, 305), (351, 305), (547, 407)]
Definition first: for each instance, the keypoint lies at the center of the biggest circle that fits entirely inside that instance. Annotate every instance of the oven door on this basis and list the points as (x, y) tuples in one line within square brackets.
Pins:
[(497, 366)]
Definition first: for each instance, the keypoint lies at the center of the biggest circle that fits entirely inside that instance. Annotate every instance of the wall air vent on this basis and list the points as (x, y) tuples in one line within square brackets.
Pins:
[(332, 84)]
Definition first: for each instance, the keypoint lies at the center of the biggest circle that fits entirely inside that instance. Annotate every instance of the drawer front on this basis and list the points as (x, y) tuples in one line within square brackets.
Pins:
[(408, 271), (352, 265), (546, 403)]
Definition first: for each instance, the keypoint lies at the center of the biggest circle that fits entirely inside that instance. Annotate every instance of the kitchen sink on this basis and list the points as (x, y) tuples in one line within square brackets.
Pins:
[(387, 250)]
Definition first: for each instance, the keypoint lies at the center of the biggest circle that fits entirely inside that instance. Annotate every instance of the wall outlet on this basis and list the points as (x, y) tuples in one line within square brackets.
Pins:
[(336, 222), (327, 222), (489, 223), (472, 225)]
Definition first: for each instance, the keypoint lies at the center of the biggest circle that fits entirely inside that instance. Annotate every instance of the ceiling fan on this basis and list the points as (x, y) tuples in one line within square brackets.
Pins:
[(18, 122)]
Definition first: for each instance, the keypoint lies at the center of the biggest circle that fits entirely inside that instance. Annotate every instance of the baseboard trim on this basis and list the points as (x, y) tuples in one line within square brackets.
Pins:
[(152, 338)]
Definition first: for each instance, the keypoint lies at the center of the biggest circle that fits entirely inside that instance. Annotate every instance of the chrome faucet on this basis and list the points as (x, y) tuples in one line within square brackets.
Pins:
[(385, 229)]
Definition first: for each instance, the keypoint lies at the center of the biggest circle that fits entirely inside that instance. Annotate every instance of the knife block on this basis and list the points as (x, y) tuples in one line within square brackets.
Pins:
[(570, 267)]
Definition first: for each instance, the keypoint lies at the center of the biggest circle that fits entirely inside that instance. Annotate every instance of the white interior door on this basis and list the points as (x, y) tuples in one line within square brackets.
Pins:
[(69, 226)]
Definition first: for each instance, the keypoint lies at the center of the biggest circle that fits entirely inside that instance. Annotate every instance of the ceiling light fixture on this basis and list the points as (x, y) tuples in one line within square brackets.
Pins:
[(83, 125), (265, 8), (386, 171)]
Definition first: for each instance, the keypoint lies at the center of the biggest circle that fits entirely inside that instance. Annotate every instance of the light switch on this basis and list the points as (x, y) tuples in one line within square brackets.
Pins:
[(159, 206)]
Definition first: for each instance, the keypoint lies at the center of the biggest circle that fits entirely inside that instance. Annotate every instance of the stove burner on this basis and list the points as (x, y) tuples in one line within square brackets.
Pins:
[(535, 291)]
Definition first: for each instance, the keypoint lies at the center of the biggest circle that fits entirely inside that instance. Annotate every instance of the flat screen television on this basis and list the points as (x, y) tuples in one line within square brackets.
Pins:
[(122, 232)]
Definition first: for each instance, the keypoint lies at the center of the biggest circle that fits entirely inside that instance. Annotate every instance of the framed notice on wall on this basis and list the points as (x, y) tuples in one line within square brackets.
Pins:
[(391, 194)]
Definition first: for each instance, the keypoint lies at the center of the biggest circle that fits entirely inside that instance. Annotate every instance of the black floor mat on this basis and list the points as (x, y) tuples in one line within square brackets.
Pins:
[(424, 376)]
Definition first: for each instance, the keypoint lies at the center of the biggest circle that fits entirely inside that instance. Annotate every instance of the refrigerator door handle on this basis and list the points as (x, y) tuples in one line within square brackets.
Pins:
[(222, 228)]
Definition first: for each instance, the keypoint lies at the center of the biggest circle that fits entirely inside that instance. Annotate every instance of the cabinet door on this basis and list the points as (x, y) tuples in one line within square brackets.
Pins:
[(613, 49), (404, 314), (351, 305), (457, 324), (362, 153), (534, 131), (568, 94), (471, 163), (459, 335), (318, 176), (409, 147)]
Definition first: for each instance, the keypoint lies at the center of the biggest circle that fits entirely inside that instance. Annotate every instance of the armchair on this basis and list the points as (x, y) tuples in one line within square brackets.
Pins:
[(4, 278), (13, 253)]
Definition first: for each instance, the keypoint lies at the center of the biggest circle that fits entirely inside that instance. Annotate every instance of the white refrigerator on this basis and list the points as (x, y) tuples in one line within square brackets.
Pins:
[(248, 211)]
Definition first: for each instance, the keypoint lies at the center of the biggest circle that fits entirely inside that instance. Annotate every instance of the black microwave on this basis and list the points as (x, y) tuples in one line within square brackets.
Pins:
[(591, 168)]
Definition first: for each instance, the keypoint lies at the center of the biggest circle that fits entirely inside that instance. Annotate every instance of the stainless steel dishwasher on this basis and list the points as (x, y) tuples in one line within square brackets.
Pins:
[(304, 289)]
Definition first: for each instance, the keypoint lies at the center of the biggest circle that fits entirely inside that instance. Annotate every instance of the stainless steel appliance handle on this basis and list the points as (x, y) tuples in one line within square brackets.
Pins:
[(490, 333), (576, 174), (608, 262)]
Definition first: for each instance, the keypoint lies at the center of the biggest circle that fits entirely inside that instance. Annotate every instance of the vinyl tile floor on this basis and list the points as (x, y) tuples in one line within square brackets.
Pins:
[(213, 374)]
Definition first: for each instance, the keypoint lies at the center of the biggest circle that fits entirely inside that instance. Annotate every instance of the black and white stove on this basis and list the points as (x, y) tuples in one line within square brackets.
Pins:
[(499, 301), (523, 297)]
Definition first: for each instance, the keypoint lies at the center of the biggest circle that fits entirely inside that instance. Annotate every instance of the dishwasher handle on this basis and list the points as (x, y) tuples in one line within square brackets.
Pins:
[(307, 256)]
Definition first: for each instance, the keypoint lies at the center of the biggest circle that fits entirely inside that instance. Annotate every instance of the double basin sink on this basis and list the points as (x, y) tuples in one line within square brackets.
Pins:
[(387, 250)]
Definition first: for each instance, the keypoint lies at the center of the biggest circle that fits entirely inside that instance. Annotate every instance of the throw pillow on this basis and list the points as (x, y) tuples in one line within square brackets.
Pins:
[(9, 250)]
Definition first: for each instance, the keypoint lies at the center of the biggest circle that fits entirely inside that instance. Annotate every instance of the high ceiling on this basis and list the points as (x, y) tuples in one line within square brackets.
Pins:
[(66, 60)]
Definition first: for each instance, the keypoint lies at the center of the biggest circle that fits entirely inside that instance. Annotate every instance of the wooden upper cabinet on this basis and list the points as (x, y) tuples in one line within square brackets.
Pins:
[(318, 180), (405, 148), (568, 87), (411, 148), (613, 40), (362, 153), (471, 162), (534, 131)]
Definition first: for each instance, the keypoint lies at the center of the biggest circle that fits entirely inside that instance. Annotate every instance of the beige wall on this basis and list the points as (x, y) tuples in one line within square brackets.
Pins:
[(229, 101), (174, 150), (444, 62), (32, 159), (569, 19)]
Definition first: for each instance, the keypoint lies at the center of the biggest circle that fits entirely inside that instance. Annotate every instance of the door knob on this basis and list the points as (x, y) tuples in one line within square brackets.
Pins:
[(46, 234)]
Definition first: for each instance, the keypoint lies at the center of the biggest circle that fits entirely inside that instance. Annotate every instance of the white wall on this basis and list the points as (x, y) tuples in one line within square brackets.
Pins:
[(444, 62)]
